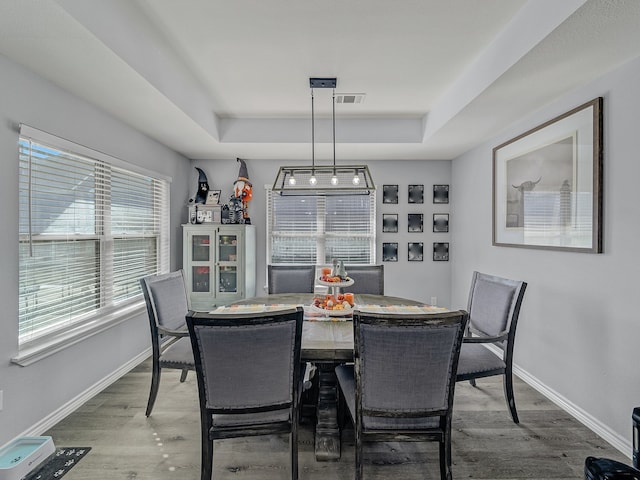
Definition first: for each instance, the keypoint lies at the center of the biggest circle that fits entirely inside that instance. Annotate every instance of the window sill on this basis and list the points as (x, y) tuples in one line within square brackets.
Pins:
[(58, 342)]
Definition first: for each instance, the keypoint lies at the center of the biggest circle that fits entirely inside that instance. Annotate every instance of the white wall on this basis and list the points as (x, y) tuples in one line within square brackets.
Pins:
[(32, 394), (416, 280), (579, 327)]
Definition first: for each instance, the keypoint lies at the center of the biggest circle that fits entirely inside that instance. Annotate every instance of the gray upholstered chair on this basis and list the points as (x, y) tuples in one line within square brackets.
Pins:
[(367, 279), (401, 385), (494, 307), (291, 278), (167, 307), (248, 370)]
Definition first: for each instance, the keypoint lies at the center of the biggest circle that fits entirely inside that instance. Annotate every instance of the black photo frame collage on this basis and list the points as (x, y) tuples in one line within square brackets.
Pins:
[(415, 223)]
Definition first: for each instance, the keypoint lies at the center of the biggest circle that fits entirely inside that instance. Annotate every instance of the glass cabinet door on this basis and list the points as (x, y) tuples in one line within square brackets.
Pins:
[(200, 267), (228, 281), (227, 263)]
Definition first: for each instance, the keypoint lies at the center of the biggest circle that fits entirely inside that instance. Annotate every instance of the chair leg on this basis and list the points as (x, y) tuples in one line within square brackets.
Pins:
[(183, 375), (472, 382), (206, 467), (294, 450), (155, 383), (445, 458), (359, 454), (508, 394)]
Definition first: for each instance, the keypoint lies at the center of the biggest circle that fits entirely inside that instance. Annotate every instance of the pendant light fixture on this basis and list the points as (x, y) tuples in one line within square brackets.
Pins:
[(321, 179)]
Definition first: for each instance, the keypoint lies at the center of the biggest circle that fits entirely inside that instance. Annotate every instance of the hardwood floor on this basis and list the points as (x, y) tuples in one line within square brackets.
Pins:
[(548, 443)]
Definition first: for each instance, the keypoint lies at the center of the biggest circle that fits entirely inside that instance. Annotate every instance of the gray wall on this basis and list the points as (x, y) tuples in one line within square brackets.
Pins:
[(578, 335), (34, 393), (416, 280)]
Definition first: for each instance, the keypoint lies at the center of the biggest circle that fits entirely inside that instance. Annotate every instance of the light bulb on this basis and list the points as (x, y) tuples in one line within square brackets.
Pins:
[(356, 179), (292, 180), (313, 180), (334, 180)]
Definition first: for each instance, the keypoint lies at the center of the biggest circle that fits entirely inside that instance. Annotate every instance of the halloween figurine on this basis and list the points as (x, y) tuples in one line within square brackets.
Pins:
[(243, 190), (203, 187)]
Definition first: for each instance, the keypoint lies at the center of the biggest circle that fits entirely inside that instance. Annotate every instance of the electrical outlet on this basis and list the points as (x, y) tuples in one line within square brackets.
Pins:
[(434, 301)]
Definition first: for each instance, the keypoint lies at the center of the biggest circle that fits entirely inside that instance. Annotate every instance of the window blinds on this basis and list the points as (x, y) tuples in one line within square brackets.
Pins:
[(316, 229), (88, 231)]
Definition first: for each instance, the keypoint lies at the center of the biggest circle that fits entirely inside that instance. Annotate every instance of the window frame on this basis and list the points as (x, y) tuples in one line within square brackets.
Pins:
[(320, 233), (111, 309)]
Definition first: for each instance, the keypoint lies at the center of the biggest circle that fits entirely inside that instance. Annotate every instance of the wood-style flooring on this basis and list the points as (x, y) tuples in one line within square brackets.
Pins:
[(547, 444)]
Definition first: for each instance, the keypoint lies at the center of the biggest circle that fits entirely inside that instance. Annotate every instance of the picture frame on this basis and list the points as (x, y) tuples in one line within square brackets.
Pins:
[(390, 194), (213, 197), (440, 222), (415, 194), (390, 223), (415, 222), (547, 184), (441, 251), (415, 251), (390, 252), (441, 194)]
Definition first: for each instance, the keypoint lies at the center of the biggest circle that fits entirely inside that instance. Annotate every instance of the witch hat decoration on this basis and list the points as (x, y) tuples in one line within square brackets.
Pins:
[(203, 187)]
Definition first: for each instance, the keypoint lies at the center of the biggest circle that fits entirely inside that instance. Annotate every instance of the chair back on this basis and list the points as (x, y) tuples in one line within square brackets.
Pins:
[(291, 278), (166, 299), (494, 306), (368, 279), (247, 362), (405, 365)]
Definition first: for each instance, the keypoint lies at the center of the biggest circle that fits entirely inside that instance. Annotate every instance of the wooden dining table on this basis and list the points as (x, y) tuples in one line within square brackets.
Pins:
[(326, 342)]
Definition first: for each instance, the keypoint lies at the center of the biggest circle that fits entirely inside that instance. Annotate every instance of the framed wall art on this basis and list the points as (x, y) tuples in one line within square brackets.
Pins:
[(416, 194), (415, 222), (547, 184), (441, 252), (415, 251), (390, 222), (441, 194), (390, 194), (390, 252), (440, 222)]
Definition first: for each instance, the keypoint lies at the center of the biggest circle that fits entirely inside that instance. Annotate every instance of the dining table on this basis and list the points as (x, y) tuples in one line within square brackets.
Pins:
[(327, 341)]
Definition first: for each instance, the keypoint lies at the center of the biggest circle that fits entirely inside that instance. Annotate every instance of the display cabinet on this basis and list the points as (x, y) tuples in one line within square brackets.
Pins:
[(219, 263)]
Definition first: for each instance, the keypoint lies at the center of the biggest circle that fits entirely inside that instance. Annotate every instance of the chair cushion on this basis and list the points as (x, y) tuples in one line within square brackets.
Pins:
[(291, 279), (346, 379), (178, 353), (476, 358), (490, 306), (368, 279), (170, 299)]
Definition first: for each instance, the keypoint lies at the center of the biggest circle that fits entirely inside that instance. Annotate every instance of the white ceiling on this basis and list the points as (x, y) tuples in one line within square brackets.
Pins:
[(217, 79)]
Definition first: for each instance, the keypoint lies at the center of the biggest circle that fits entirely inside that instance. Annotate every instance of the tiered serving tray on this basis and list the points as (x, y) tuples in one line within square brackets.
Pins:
[(346, 283), (343, 312)]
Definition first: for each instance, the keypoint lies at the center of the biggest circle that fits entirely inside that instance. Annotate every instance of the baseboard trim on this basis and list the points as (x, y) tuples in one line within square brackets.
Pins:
[(617, 441), (68, 408)]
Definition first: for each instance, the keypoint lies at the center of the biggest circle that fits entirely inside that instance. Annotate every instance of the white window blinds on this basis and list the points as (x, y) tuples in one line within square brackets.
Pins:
[(89, 229), (316, 229)]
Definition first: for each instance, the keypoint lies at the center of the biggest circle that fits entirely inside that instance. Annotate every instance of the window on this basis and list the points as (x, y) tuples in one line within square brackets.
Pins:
[(316, 229), (90, 227)]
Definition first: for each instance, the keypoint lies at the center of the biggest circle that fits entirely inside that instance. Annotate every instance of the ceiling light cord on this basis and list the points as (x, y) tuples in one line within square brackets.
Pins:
[(334, 178), (312, 179)]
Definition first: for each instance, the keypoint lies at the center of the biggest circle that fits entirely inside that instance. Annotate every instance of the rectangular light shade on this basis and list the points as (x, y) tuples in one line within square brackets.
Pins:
[(351, 180)]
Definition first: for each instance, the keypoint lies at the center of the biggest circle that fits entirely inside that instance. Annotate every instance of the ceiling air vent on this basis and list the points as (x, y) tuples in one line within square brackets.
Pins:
[(348, 98)]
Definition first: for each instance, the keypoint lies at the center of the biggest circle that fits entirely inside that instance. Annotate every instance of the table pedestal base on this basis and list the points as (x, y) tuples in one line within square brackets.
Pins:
[(327, 436)]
